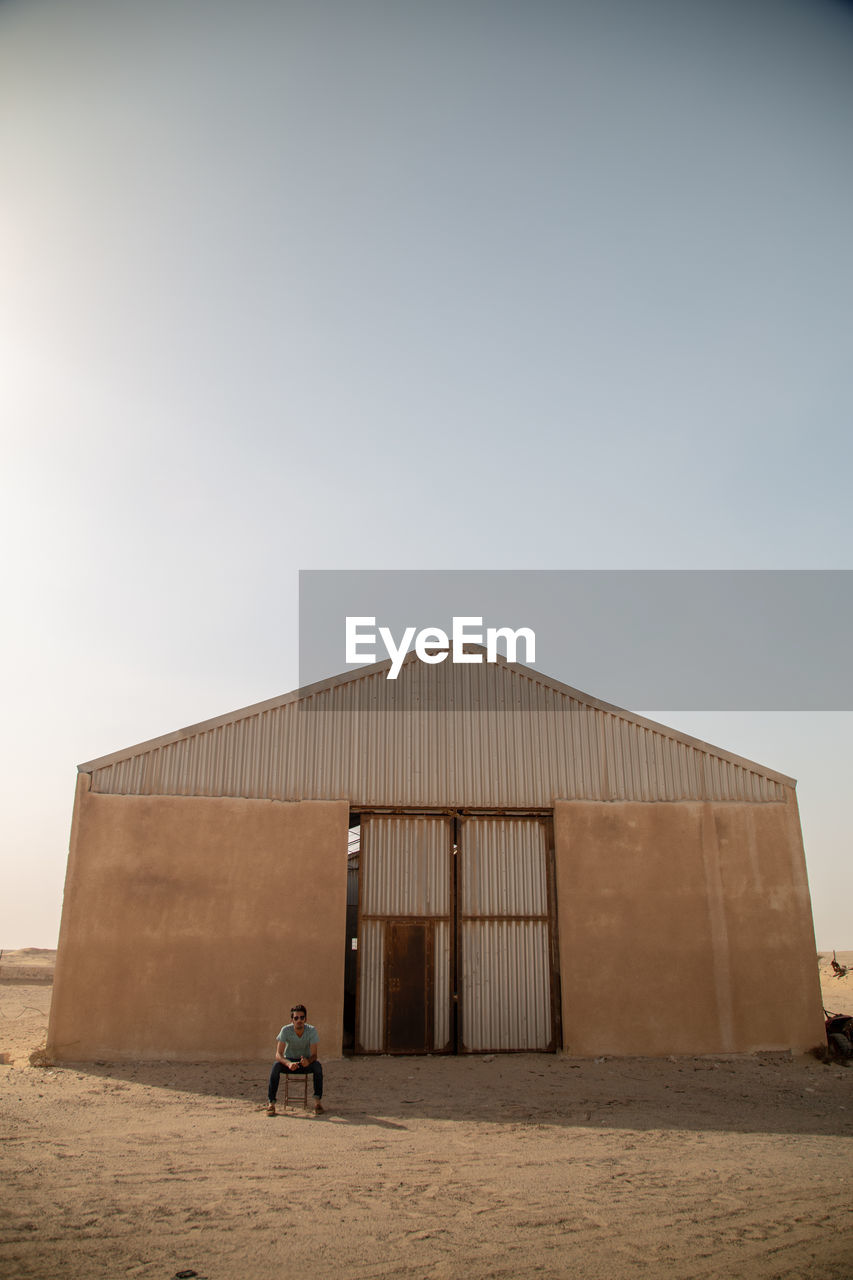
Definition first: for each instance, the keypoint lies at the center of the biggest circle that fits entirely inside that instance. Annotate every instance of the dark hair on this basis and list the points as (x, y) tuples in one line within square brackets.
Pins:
[(299, 1008)]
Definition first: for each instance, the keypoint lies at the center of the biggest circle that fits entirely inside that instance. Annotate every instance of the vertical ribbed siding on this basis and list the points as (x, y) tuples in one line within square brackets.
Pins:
[(505, 986), (406, 866), (442, 992), (503, 868), (371, 986), (505, 995), (438, 736)]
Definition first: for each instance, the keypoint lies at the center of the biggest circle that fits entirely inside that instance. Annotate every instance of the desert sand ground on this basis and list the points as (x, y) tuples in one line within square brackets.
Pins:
[(426, 1167)]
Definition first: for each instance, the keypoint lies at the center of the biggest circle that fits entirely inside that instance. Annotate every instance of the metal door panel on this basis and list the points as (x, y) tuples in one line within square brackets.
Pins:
[(371, 985), (442, 978), (406, 865), (504, 868), (405, 893), (407, 986), (506, 984)]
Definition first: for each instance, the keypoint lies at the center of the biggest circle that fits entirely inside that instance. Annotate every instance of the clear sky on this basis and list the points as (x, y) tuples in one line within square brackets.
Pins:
[(388, 284)]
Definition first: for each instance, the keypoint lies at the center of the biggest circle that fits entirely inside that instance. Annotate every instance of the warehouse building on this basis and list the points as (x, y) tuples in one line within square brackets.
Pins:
[(471, 858)]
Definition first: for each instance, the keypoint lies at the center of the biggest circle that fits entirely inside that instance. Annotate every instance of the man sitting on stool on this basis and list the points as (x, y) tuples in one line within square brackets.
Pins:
[(296, 1050)]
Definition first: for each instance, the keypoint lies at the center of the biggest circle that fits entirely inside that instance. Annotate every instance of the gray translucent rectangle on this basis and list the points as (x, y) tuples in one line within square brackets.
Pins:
[(715, 640)]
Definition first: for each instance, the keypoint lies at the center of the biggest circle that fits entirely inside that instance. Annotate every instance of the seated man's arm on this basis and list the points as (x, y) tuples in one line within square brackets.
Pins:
[(279, 1052)]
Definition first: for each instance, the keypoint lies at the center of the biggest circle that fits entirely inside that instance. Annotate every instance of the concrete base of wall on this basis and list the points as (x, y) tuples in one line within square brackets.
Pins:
[(671, 919), (191, 925)]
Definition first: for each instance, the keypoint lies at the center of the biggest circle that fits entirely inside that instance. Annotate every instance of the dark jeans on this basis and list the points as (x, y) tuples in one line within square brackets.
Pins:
[(314, 1069)]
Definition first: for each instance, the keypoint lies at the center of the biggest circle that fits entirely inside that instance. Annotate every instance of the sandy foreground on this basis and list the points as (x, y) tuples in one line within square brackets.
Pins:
[(422, 1167)]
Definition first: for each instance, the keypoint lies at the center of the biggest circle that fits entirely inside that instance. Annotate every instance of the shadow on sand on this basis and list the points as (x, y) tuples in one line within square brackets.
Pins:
[(762, 1093)]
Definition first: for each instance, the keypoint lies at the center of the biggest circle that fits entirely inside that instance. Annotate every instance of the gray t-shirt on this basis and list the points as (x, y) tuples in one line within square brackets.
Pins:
[(296, 1047)]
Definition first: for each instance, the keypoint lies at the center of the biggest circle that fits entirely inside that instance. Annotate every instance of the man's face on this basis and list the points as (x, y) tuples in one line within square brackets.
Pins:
[(298, 1020)]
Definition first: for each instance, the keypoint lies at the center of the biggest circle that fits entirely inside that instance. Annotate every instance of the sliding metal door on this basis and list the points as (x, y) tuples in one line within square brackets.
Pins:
[(404, 937), (507, 963)]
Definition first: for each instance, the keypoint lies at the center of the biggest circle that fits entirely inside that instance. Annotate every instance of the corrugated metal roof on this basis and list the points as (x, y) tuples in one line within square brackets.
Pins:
[(494, 735)]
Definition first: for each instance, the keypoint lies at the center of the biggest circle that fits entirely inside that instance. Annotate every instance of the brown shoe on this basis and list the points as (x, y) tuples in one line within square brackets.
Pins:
[(271, 1109), (318, 1107)]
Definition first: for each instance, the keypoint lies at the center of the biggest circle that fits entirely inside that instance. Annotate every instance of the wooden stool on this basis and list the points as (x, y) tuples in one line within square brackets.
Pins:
[(293, 1081)]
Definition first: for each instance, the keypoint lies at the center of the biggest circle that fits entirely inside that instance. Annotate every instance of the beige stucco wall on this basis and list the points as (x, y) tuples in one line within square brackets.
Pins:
[(684, 928), (190, 925)]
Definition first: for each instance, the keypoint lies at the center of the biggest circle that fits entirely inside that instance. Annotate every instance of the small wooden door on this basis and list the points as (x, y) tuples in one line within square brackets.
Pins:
[(407, 987)]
